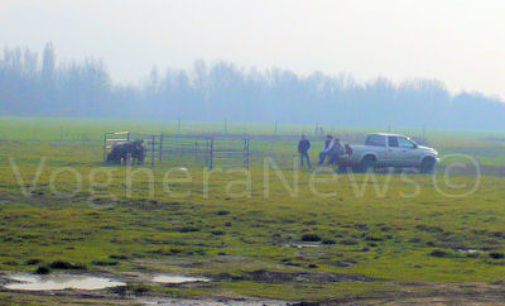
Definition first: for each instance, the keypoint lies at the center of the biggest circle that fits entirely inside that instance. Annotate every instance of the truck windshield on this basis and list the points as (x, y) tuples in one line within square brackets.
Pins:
[(376, 140), (406, 143)]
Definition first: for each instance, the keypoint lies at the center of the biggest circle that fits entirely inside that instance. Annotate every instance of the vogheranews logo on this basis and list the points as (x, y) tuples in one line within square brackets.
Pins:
[(459, 176)]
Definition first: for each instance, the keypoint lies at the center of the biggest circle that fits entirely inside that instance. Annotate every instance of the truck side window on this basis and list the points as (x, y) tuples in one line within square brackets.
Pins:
[(405, 143), (376, 140), (393, 142)]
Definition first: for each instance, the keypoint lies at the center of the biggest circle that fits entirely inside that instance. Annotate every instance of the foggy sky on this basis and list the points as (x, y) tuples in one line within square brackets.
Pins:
[(461, 43)]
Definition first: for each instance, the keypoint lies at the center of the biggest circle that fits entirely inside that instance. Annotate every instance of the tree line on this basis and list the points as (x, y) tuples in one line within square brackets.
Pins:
[(30, 86)]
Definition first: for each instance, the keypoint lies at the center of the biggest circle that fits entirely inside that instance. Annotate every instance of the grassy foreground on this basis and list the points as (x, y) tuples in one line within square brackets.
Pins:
[(376, 238)]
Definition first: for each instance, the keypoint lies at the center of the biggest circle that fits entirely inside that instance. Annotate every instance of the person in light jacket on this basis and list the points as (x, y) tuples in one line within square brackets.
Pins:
[(329, 143)]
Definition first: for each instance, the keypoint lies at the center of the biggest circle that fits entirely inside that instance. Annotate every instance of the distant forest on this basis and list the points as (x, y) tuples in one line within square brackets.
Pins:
[(37, 85)]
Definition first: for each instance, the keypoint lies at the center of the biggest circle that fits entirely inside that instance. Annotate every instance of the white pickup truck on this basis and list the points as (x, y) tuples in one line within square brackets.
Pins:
[(383, 150)]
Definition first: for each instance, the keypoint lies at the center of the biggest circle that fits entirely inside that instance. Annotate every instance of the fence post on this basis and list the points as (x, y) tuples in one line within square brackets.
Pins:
[(196, 149), (104, 147), (161, 148), (211, 152), (128, 161), (246, 152), (152, 150)]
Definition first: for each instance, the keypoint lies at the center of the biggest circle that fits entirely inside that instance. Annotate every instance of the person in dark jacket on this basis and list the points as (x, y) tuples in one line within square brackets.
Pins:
[(303, 149)]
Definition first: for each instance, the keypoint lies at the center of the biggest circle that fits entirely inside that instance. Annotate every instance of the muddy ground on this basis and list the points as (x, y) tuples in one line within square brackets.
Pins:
[(418, 293)]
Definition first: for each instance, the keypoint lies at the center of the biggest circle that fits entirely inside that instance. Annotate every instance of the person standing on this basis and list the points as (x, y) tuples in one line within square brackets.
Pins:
[(303, 149)]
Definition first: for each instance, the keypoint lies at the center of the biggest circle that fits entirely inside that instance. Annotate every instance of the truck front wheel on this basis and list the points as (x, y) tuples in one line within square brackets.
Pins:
[(427, 165)]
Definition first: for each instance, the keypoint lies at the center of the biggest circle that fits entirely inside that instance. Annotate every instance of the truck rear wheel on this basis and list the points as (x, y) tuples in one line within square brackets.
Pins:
[(341, 169), (368, 164)]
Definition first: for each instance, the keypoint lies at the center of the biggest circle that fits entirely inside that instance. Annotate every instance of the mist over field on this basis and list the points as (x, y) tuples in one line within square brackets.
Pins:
[(35, 83)]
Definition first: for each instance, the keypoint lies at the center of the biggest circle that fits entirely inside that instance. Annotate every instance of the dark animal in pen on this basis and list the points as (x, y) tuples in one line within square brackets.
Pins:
[(120, 153)]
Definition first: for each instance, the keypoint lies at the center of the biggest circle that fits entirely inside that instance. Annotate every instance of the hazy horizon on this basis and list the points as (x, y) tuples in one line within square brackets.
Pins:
[(456, 42)]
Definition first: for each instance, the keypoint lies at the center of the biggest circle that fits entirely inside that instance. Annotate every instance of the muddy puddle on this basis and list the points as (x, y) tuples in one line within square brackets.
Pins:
[(302, 245), (30, 282), (178, 279), (469, 251)]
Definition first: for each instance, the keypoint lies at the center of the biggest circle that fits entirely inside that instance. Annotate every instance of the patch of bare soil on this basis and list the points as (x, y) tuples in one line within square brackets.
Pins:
[(425, 294), (211, 302), (264, 276)]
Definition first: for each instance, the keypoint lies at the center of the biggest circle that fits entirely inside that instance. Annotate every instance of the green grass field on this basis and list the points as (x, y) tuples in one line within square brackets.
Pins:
[(379, 238)]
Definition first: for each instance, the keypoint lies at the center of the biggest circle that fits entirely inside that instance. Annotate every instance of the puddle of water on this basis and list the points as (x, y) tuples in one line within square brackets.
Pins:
[(469, 251), (31, 282), (178, 279), (302, 246)]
